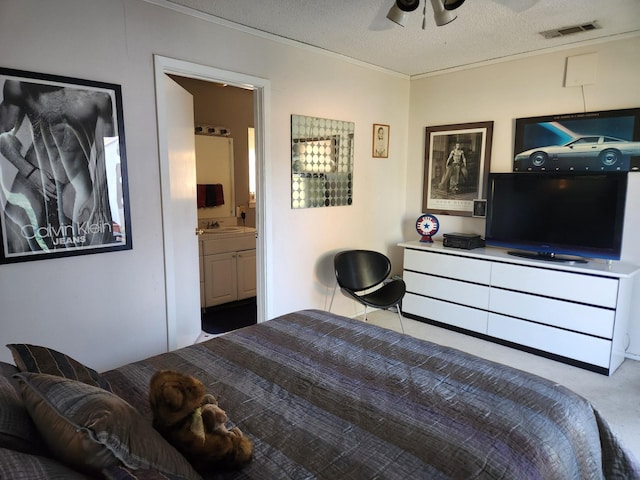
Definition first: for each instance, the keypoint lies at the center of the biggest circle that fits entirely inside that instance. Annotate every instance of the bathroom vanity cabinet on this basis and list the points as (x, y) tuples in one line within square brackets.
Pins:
[(227, 267)]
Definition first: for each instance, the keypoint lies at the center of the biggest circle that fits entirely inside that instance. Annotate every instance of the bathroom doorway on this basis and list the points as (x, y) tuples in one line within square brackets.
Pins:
[(228, 110), (223, 119), (178, 315)]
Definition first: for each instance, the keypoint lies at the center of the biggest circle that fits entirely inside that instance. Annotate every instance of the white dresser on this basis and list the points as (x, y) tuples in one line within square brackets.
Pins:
[(571, 312)]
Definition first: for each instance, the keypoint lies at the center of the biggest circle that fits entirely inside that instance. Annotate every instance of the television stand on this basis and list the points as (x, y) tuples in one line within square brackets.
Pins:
[(575, 313), (549, 257)]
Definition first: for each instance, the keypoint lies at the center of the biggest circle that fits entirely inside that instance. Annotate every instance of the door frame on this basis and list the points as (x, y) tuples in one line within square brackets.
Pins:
[(261, 108)]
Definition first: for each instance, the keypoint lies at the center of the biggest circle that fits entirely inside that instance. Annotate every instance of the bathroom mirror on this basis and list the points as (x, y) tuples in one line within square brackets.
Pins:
[(214, 176), (321, 162)]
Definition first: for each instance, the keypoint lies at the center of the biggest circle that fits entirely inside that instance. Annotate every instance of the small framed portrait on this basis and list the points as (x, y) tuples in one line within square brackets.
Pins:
[(479, 208), (380, 147)]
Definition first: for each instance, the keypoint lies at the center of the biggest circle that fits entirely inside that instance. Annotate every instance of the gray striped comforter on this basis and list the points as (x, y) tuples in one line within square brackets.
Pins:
[(326, 397)]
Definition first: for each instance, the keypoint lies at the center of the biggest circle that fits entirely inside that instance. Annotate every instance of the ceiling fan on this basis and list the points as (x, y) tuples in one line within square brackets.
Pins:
[(443, 9)]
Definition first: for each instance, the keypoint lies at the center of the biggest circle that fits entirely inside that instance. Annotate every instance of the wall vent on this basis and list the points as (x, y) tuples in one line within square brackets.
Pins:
[(561, 32)]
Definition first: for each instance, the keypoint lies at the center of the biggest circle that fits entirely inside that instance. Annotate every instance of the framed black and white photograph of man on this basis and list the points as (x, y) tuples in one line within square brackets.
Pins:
[(63, 173), (456, 167), (380, 147)]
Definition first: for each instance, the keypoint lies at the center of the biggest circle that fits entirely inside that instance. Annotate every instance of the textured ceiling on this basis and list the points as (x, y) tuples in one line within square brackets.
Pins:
[(484, 30)]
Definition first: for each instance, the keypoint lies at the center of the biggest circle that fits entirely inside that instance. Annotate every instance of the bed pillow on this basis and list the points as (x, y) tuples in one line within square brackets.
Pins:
[(20, 466), (7, 370), (37, 359), (17, 431), (91, 429)]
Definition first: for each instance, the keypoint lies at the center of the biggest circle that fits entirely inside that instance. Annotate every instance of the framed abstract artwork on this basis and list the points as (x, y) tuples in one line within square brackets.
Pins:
[(322, 153), (63, 169)]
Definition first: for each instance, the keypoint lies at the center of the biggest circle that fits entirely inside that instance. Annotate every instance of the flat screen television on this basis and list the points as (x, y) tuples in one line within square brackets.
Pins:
[(552, 215)]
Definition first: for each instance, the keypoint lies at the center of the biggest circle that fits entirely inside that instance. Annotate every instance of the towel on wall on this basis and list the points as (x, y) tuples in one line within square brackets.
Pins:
[(210, 195)]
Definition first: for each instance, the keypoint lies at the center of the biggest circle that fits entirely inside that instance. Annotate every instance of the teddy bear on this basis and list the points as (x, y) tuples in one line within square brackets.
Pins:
[(191, 420)]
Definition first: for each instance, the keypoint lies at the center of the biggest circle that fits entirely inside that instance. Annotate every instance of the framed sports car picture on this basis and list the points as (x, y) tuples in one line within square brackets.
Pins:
[(62, 167), (591, 141)]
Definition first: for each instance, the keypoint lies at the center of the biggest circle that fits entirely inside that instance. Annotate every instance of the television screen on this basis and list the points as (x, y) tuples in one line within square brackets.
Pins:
[(557, 213), (592, 141)]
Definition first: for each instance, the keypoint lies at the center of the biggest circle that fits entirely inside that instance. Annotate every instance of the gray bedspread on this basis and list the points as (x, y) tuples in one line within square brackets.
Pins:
[(327, 397)]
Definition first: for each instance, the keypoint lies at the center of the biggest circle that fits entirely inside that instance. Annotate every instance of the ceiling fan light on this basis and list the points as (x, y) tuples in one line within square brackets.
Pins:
[(408, 5), (444, 18), (440, 15), (397, 15), (452, 4)]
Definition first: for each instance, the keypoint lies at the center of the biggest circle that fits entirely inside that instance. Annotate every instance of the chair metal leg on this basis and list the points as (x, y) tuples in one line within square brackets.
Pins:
[(400, 316), (365, 313), (335, 287)]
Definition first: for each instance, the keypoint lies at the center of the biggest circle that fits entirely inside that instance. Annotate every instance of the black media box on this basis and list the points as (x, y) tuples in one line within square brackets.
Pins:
[(467, 241)]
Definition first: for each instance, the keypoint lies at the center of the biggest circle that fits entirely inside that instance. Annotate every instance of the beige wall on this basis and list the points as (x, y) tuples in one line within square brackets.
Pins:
[(109, 309), (525, 87)]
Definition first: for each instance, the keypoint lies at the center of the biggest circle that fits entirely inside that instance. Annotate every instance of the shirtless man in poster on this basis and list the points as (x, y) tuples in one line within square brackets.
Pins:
[(59, 195), (455, 162)]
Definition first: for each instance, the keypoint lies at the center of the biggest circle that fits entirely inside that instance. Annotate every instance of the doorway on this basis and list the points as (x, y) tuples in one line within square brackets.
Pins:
[(224, 118), (179, 315)]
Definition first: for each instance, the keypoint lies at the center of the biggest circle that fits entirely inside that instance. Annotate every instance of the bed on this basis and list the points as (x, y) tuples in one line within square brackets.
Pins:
[(327, 397)]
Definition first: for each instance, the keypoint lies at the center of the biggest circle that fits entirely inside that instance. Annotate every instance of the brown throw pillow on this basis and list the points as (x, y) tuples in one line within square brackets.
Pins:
[(17, 431), (37, 359), (91, 429)]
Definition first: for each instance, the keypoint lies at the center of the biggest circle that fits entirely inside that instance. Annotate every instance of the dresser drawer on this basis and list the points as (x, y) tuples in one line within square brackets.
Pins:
[(584, 348), (567, 315), (444, 312), (578, 312), (446, 289), (587, 289), (444, 265)]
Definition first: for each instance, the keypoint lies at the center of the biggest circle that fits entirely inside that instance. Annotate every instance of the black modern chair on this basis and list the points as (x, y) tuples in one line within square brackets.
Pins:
[(364, 276)]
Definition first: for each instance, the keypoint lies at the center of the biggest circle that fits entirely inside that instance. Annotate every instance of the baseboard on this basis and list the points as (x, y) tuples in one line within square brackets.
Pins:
[(632, 356)]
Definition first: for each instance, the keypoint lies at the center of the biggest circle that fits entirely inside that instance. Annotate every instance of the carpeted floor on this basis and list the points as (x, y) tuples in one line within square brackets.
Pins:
[(230, 316)]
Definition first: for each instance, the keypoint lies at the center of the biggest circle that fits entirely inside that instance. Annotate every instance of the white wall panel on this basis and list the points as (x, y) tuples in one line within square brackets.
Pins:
[(109, 309)]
